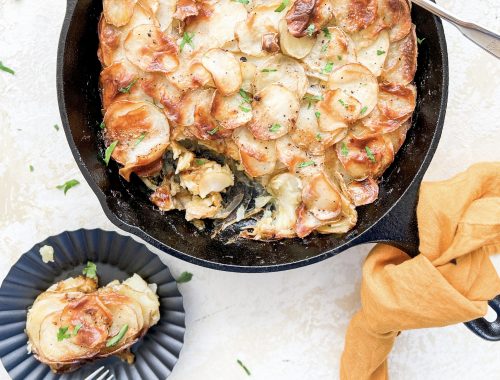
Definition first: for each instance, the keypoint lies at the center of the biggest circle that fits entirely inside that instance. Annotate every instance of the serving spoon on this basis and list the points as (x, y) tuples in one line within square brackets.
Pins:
[(486, 39)]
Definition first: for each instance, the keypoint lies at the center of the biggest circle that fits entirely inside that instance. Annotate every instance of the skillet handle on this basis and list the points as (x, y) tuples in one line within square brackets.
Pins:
[(484, 329), (70, 7), (399, 228)]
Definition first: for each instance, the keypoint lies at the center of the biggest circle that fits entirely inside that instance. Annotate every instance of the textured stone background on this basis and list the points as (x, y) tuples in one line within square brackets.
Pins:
[(282, 325)]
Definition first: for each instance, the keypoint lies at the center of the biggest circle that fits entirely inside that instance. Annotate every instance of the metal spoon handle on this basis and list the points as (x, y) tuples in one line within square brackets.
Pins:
[(487, 39)]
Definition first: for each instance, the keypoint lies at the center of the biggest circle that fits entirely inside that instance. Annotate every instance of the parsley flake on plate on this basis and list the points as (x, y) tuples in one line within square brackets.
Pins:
[(68, 185), (63, 333), (56, 127), (363, 110), (90, 270), (318, 114), (141, 137), (380, 52), (117, 337), (77, 328), (328, 67), (184, 277), (310, 30), (269, 70)]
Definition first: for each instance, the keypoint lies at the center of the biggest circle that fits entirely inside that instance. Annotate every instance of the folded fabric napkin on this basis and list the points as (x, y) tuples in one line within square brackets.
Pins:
[(450, 281)]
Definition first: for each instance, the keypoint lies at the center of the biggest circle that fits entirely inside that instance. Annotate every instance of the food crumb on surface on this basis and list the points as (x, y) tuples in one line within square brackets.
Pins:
[(47, 253)]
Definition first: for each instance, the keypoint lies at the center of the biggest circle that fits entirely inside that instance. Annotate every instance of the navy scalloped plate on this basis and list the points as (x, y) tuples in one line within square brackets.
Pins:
[(117, 257)]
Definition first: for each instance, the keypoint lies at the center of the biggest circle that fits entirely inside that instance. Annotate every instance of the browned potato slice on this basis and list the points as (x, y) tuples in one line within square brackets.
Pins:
[(118, 12), (115, 81), (344, 223), (141, 131), (298, 161), (275, 111), (293, 46), (190, 75), (111, 38), (373, 56), (165, 13), (365, 157), (258, 157), (307, 134), (215, 24), (231, 111), (358, 82), (401, 62), (336, 111), (262, 20), (151, 50), (322, 203), (225, 70), (395, 105), (284, 71), (331, 49), (363, 192), (354, 15), (307, 17), (396, 15)]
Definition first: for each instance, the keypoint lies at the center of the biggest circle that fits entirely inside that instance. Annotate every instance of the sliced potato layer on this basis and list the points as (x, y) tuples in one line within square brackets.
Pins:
[(357, 81), (141, 133), (258, 157), (225, 70), (151, 50), (274, 112)]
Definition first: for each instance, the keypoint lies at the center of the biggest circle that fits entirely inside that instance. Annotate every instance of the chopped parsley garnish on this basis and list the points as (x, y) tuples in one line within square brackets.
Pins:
[(419, 41), (102, 125), (56, 127), (77, 328), (187, 38), (141, 137), (369, 153), (32, 169), (68, 185), (328, 67), (90, 270), (109, 152), (245, 95), (319, 137), (275, 127), (199, 161), (247, 100), (339, 57), (305, 164), (310, 30), (327, 33), (269, 70), (117, 337), (363, 110), (312, 98), (380, 52), (343, 103), (213, 131), (63, 333), (324, 48), (318, 114), (247, 371), (282, 6), (6, 69), (344, 149), (126, 89), (184, 277), (242, 1)]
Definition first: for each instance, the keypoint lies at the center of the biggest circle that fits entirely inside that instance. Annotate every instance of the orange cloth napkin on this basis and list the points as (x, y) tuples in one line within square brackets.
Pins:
[(450, 281)]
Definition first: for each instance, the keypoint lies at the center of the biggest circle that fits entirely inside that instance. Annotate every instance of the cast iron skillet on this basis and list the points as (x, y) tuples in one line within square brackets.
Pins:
[(390, 219)]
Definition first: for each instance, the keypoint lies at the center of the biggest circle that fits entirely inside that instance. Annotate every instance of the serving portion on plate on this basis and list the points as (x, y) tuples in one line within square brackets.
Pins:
[(58, 322), (309, 100), (74, 321)]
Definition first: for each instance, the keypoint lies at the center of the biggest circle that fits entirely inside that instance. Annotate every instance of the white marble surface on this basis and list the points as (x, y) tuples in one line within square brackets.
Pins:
[(287, 325)]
